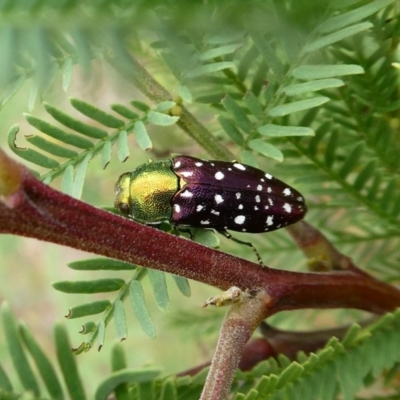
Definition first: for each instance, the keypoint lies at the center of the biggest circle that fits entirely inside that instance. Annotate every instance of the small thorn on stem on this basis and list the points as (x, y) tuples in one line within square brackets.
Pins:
[(233, 295)]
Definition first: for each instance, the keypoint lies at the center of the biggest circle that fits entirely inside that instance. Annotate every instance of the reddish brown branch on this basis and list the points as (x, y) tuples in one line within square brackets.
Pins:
[(238, 326), (30, 208)]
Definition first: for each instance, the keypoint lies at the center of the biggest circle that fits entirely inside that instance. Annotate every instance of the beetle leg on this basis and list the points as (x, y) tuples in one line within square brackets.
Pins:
[(183, 230), (229, 236)]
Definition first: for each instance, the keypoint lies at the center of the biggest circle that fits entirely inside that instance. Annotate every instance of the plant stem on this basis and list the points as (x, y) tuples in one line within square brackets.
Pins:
[(157, 93), (36, 210), (238, 326)]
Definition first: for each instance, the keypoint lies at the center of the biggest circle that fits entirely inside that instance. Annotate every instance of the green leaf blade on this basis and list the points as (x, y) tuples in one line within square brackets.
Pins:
[(59, 134), (296, 106), (138, 303), (123, 146), (158, 118), (80, 177), (5, 383), (330, 153), (96, 114), (165, 106), (365, 175), (266, 149), (253, 103), (120, 320), (89, 287), (67, 183), (312, 86), (183, 285), (44, 365), (345, 19), (206, 237), (67, 363), (337, 36), (169, 390), (124, 376), (124, 111), (106, 154), (237, 113), (210, 68), (101, 334), (74, 124), (352, 160), (101, 264), (272, 130), (312, 72), (219, 51), (185, 94), (28, 154), (142, 137), (160, 290), (67, 73), (50, 147), (140, 105), (18, 355), (118, 362), (96, 307), (267, 52), (231, 130), (87, 327)]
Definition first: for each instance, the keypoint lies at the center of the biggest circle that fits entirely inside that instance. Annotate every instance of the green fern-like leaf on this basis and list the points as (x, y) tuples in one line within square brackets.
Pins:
[(87, 141), (339, 366)]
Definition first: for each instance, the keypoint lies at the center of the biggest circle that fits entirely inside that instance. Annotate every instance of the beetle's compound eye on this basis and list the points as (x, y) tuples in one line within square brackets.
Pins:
[(122, 194)]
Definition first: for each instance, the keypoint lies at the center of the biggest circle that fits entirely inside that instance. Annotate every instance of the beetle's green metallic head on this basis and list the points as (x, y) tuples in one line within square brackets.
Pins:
[(145, 194)]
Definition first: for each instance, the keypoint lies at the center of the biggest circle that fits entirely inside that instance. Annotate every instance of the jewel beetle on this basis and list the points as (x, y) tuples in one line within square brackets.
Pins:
[(190, 192)]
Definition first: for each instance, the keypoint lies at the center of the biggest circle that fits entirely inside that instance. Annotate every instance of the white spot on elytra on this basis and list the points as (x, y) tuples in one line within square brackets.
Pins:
[(258, 199), (177, 208), (239, 166), (214, 212), (244, 230), (255, 208), (199, 208), (270, 220), (198, 164), (269, 190), (219, 176), (300, 199), (287, 192), (259, 187), (240, 219), (186, 194), (240, 207), (248, 186), (229, 169), (186, 174), (206, 222), (287, 207), (268, 176), (212, 164), (262, 180), (178, 164), (218, 198), (266, 207), (238, 195), (271, 203)]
